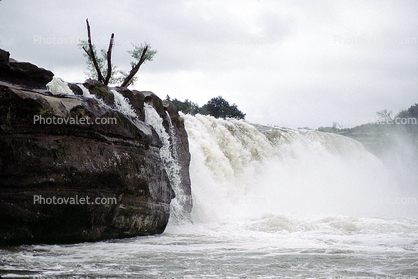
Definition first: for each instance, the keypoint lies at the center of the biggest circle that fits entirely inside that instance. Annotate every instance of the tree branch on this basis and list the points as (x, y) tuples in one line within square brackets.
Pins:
[(91, 54), (128, 79), (88, 52), (109, 60)]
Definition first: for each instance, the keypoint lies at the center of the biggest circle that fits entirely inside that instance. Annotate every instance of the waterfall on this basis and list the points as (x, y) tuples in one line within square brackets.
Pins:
[(239, 170), (243, 170), (167, 154), (123, 106)]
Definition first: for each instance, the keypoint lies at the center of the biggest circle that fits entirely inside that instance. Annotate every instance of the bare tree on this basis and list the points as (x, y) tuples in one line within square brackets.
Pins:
[(91, 53), (105, 74), (109, 60)]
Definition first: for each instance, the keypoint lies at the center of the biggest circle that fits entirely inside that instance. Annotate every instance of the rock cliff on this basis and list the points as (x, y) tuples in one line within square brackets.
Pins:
[(74, 166)]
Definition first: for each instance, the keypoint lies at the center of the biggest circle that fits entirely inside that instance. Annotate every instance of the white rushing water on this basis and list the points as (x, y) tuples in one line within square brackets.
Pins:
[(240, 172), (58, 86), (167, 155), (268, 203)]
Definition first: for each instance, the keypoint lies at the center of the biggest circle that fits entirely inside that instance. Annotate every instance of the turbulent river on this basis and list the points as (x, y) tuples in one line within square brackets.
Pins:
[(268, 203)]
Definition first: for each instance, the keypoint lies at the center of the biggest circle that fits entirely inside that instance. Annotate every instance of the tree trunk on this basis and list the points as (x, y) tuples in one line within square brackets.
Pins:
[(109, 60), (91, 54), (128, 79)]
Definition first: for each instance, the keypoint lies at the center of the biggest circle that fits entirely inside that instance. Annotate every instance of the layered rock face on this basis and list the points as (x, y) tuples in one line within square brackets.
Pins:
[(75, 168)]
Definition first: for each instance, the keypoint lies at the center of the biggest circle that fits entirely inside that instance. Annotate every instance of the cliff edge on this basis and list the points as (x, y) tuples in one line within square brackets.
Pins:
[(75, 165)]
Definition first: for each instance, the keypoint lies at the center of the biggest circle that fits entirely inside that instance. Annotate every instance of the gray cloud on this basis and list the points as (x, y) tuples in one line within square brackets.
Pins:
[(288, 63)]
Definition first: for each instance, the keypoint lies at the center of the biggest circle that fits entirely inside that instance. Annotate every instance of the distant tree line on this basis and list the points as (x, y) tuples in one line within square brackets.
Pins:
[(412, 112), (386, 123), (217, 107)]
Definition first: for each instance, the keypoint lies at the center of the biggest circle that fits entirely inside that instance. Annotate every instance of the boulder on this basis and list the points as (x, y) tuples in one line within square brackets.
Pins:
[(22, 73), (4, 58)]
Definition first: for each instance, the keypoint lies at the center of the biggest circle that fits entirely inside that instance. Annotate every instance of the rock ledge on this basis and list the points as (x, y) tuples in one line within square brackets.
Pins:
[(48, 171)]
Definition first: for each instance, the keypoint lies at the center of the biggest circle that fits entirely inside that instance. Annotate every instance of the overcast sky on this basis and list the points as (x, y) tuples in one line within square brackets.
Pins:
[(287, 63)]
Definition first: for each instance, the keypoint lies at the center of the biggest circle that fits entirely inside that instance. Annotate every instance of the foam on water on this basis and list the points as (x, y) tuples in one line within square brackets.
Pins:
[(271, 247)]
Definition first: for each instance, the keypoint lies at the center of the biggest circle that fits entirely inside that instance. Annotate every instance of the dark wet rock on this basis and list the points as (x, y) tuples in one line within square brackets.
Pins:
[(4, 58), (75, 88), (22, 73), (181, 154), (64, 163), (100, 91)]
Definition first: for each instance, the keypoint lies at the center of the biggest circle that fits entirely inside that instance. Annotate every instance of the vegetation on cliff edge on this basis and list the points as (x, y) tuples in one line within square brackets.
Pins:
[(217, 107)]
